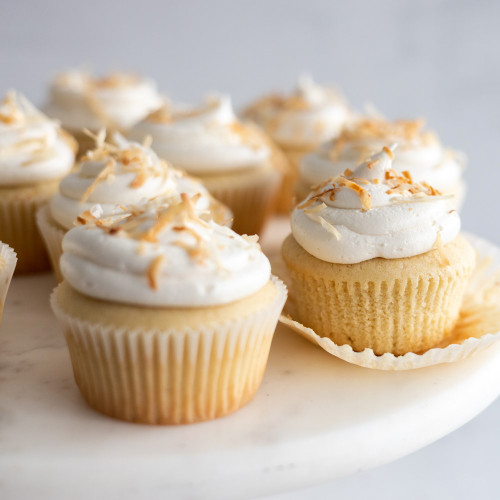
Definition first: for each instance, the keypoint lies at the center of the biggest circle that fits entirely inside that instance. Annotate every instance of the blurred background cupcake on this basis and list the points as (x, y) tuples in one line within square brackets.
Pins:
[(233, 160), (114, 174), (299, 123), (184, 310), (34, 154), (116, 101), (419, 152)]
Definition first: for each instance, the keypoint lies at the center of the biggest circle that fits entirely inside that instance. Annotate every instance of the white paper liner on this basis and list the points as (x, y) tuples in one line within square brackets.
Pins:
[(171, 376), (52, 236), (19, 230), (252, 199), (477, 328), (9, 258)]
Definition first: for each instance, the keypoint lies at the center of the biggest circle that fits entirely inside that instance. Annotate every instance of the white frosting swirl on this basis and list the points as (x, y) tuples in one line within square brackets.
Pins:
[(119, 100), (203, 140), (32, 147), (123, 173), (163, 256), (418, 152), (373, 212), (311, 115)]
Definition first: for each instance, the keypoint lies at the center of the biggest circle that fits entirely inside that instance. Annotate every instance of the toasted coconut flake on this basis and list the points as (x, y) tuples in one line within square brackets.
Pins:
[(154, 271), (103, 174), (371, 164), (85, 217), (440, 248), (325, 224), (361, 180), (306, 203), (388, 152), (407, 174), (139, 180), (314, 210), (251, 238)]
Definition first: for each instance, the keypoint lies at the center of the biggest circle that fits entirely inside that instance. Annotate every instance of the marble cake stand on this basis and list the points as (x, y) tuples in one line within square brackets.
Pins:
[(314, 418)]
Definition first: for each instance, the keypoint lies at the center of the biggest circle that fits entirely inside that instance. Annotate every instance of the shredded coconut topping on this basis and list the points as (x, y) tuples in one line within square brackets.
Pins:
[(174, 218), (132, 158)]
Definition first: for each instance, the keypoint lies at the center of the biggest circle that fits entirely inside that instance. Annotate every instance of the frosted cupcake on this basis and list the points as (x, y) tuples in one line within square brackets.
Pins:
[(112, 175), (419, 152), (116, 102), (299, 123), (232, 160), (8, 260), (376, 260), (34, 154), (168, 319)]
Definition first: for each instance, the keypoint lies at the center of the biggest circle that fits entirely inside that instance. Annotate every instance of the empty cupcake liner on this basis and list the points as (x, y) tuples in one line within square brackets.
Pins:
[(171, 376), (477, 328)]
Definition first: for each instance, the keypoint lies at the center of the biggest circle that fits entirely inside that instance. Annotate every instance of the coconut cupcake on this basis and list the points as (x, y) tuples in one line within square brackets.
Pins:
[(8, 260), (168, 318), (233, 160), (376, 260), (419, 152), (299, 123), (34, 154), (112, 175), (116, 102)]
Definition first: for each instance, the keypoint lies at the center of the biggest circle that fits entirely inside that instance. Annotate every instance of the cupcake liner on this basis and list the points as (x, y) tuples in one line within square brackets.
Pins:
[(432, 303), (171, 376), (9, 258), (252, 199), (19, 230), (478, 325), (52, 236)]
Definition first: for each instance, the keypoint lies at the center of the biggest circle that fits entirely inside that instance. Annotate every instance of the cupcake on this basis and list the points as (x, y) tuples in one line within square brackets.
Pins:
[(8, 260), (376, 260), (299, 123), (112, 175), (419, 152), (168, 318), (233, 160), (34, 154), (116, 102)]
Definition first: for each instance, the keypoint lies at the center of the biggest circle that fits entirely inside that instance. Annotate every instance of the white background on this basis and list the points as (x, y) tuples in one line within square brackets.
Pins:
[(437, 59)]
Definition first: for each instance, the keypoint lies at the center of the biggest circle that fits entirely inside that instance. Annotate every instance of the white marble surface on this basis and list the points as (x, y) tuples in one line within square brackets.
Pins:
[(314, 418), (434, 59)]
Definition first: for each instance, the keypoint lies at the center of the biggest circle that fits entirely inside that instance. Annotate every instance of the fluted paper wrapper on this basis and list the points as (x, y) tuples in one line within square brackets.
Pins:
[(171, 376), (52, 236), (9, 259), (478, 325), (19, 230), (251, 203)]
